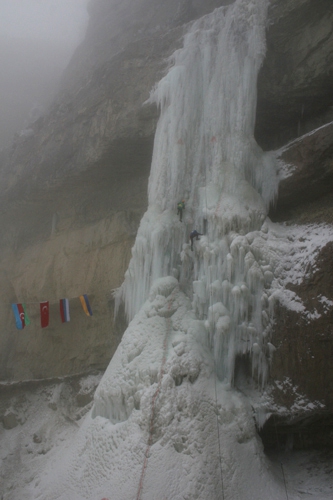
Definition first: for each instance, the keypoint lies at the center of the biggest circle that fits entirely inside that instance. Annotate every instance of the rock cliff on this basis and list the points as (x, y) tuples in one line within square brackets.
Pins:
[(295, 82), (73, 190)]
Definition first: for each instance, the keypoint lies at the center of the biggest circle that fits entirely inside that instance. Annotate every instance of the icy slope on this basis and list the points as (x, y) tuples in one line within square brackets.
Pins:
[(108, 455)]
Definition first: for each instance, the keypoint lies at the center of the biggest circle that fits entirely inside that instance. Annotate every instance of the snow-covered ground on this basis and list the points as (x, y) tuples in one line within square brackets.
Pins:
[(38, 422), (39, 452), (306, 475)]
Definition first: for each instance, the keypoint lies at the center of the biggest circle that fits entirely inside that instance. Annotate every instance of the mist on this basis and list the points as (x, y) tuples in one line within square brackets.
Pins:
[(37, 40)]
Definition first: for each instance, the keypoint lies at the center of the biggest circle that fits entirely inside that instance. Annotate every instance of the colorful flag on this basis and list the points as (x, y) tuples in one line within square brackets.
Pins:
[(19, 316), (44, 313), (64, 310), (85, 304), (26, 317)]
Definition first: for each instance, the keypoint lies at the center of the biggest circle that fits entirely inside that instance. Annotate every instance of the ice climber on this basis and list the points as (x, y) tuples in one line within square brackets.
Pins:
[(193, 235), (180, 208)]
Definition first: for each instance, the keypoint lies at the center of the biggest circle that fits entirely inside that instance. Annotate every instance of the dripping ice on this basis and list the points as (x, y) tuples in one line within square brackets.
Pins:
[(205, 153)]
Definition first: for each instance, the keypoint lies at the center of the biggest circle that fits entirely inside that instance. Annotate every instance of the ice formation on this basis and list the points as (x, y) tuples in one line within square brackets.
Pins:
[(185, 460), (205, 153)]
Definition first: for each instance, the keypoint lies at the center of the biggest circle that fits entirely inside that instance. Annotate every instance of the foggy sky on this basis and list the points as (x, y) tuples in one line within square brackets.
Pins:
[(63, 20), (37, 39)]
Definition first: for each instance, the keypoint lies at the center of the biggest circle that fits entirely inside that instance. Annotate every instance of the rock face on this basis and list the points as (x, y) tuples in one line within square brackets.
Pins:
[(306, 169), (305, 344), (30, 74), (301, 368), (74, 190), (295, 82)]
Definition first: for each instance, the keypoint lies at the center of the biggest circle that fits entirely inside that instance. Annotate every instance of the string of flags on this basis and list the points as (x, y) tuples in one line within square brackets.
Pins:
[(22, 318)]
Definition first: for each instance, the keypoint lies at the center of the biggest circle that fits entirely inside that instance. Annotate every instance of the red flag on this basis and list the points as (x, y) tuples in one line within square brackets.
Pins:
[(44, 314), (22, 315)]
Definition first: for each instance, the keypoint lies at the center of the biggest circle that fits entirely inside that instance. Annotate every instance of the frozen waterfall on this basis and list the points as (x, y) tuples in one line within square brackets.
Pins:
[(205, 153)]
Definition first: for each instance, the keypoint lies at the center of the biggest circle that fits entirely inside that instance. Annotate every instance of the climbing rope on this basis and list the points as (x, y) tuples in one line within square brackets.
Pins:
[(284, 480), (215, 367), (218, 433), (153, 401), (281, 464)]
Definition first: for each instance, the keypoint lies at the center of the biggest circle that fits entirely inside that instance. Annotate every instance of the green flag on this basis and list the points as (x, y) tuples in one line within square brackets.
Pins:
[(26, 317)]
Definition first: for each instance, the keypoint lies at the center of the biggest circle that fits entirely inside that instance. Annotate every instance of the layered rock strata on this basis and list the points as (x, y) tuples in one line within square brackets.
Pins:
[(295, 82), (301, 371)]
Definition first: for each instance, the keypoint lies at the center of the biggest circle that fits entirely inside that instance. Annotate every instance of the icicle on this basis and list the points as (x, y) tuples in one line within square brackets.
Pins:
[(205, 153)]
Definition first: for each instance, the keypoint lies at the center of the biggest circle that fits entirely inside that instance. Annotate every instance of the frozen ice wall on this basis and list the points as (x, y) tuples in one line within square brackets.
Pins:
[(205, 153)]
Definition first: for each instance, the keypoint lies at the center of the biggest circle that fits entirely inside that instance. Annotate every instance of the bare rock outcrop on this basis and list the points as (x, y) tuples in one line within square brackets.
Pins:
[(296, 80), (301, 370), (306, 170), (305, 342)]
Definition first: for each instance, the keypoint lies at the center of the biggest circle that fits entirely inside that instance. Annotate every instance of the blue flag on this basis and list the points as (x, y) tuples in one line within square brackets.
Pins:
[(19, 316), (85, 304)]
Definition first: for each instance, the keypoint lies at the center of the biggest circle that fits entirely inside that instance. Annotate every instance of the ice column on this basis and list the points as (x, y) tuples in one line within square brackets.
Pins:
[(205, 153)]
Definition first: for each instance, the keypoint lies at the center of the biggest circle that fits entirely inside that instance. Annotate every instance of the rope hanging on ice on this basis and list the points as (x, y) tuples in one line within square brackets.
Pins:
[(156, 393), (215, 374)]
